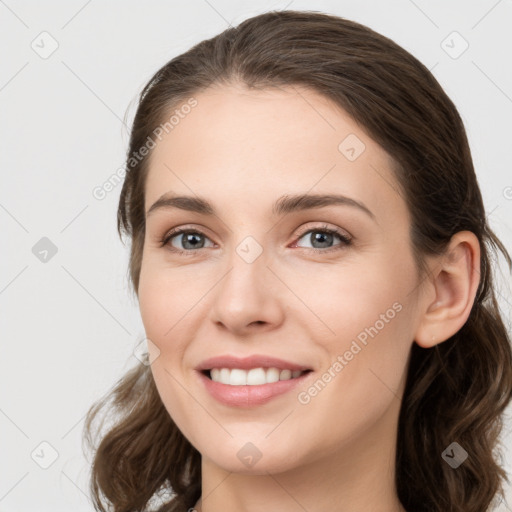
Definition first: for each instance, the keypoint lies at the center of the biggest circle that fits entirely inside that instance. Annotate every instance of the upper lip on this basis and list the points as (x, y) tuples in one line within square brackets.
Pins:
[(247, 363)]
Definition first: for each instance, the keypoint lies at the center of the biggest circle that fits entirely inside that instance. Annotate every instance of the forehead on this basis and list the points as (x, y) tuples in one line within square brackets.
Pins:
[(250, 146)]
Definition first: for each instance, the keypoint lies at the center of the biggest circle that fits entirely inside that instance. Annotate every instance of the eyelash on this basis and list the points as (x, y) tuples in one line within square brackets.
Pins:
[(346, 241)]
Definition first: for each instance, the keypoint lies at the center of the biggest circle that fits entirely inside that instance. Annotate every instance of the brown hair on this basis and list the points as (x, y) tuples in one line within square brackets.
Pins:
[(455, 391)]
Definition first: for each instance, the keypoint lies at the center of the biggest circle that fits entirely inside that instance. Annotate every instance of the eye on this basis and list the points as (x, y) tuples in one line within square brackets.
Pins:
[(188, 238), (321, 238)]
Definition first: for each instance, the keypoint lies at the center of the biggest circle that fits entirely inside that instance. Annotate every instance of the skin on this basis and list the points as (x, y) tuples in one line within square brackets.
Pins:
[(241, 149)]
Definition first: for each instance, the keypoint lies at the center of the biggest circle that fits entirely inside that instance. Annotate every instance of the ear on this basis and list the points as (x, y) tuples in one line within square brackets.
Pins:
[(453, 282)]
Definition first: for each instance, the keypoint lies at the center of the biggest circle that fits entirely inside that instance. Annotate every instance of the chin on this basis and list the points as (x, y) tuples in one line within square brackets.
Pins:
[(246, 458)]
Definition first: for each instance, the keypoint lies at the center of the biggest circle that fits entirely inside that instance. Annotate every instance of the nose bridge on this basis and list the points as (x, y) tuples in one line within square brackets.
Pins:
[(250, 250), (247, 265)]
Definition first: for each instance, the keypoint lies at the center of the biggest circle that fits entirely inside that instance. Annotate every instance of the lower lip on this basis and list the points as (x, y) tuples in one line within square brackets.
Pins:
[(248, 396)]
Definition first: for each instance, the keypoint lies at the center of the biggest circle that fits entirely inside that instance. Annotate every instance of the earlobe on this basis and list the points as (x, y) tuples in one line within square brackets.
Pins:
[(454, 280)]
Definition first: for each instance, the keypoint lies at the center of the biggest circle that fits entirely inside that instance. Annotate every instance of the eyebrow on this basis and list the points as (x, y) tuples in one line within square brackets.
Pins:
[(283, 205)]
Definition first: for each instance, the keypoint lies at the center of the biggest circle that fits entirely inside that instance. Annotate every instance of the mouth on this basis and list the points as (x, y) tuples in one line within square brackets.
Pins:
[(252, 377), (250, 381)]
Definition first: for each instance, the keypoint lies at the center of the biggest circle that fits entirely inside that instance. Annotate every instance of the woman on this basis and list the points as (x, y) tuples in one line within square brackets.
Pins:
[(311, 258)]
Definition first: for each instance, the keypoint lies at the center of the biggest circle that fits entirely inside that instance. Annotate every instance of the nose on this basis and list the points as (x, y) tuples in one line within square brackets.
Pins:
[(249, 297)]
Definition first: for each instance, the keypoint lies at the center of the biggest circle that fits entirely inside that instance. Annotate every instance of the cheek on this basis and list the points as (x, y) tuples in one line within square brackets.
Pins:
[(165, 296), (370, 321), (151, 300), (348, 299)]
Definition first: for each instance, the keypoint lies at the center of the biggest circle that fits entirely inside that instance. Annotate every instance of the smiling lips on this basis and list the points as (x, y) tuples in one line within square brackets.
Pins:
[(249, 381)]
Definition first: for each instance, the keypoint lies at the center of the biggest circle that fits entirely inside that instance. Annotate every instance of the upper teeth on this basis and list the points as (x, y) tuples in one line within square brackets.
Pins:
[(253, 377)]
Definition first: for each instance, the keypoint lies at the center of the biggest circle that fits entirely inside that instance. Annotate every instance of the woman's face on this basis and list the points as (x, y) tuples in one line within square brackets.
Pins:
[(261, 279)]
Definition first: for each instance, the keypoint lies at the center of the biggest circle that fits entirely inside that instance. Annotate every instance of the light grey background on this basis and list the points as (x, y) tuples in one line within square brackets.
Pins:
[(69, 325)]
